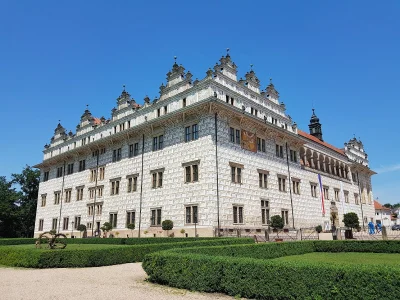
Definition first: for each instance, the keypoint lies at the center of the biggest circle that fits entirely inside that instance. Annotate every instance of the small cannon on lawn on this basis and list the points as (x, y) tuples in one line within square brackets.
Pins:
[(53, 240)]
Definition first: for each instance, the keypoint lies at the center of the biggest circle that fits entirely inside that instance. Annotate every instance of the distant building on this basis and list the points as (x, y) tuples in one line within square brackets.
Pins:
[(217, 153), (383, 214)]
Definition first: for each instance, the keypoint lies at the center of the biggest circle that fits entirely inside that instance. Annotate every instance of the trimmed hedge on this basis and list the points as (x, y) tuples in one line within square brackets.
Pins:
[(108, 241), (102, 256), (246, 271)]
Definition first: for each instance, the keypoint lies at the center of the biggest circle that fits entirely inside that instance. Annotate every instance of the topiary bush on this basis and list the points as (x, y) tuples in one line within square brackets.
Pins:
[(247, 271), (98, 255)]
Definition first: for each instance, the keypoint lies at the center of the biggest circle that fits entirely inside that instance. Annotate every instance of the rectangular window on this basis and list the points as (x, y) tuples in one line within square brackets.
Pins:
[(157, 179), (70, 169), (263, 180), (41, 221), (285, 216), (296, 186), (100, 192), (90, 210), (155, 219), (91, 193), (57, 197), (158, 112), (191, 133), (227, 98), (336, 195), (191, 173), (46, 176), (136, 149), (356, 199), (82, 165), (93, 176), (191, 214), (79, 193), (346, 196), (101, 172), (254, 111), (293, 156), (77, 222), (132, 184), (184, 102), (313, 190), (165, 110), (54, 224), (326, 193), (65, 223), (89, 225), (115, 187), (265, 212), (158, 142), (130, 218), (236, 174), (232, 135), (237, 214), (279, 151), (59, 172), (263, 145), (282, 184), (238, 136), (83, 141), (117, 155), (129, 124), (113, 220), (68, 196), (131, 150), (44, 200)]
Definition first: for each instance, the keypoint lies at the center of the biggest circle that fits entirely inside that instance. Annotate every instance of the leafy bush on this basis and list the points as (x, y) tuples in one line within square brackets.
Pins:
[(350, 220), (246, 270), (117, 241), (167, 225), (277, 222), (101, 255)]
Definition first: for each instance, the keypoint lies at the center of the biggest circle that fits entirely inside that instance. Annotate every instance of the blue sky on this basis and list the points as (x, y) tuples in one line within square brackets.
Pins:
[(342, 57)]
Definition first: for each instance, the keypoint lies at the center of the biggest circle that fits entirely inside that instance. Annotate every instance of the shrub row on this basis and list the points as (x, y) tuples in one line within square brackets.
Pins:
[(99, 256), (275, 250), (269, 279), (108, 241), (246, 271)]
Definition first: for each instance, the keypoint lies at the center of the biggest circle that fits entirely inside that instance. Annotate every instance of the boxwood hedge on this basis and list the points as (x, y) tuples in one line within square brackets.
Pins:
[(98, 256), (247, 271), (114, 241)]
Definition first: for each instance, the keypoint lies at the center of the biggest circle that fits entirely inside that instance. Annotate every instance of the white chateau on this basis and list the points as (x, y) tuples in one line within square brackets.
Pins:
[(217, 153)]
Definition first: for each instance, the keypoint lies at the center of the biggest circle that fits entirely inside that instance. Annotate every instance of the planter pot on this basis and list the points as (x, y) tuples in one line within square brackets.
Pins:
[(285, 230), (278, 240), (274, 230)]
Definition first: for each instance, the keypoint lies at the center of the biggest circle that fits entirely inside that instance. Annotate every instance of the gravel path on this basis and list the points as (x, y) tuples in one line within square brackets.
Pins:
[(113, 282)]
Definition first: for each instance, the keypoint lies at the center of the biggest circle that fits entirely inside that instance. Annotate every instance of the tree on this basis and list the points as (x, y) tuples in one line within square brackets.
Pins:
[(28, 182), (81, 228), (131, 226), (277, 222), (106, 227), (350, 220), (167, 225), (388, 205), (8, 209)]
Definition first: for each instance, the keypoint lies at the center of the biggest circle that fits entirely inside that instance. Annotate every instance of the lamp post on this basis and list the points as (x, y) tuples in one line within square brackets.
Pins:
[(72, 229)]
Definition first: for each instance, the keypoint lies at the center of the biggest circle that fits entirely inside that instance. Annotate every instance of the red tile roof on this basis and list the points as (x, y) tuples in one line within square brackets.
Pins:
[(379, 206), (96, 121), (318, 141)]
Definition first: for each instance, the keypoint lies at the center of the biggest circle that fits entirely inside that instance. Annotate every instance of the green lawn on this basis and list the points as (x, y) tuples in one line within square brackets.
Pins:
[(69, 247), (346, 258)]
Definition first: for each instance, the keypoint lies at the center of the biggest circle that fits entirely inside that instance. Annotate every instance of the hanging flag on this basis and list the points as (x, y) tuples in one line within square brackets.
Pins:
[(322, 194)]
